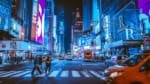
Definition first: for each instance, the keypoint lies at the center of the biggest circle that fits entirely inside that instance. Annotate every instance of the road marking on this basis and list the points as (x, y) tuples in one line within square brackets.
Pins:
[(54, 74), (85, 73), (95, 73), (17, 75), (7, 75), (75, 74), (6, 72), (27, 75), (1, 72), (64, 74), (41, 75), (101, 72)]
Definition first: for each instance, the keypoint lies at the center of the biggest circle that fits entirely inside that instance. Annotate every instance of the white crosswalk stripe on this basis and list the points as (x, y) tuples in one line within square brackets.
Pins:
[(21, 74), (14, 72), (100, 72), (75, 74), (95, 73), (6, 72), (85, 74), (27, 75), (54, 73), (1, 72), (41, 75), (64, 74)]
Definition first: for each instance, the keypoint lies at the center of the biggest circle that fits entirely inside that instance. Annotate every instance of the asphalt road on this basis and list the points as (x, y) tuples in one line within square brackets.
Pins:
[(62, 72)]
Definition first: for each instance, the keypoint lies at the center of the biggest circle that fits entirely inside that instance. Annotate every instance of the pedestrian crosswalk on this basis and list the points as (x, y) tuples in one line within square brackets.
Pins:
[(75, 74), (85, 73), (55, 73), (64, 74)]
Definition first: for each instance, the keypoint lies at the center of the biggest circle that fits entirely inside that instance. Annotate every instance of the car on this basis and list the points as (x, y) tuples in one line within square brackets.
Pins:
[(88, 55), (130, 61), (60, 57), (100, 58), (114, 60), (68, 56), (136, 73)]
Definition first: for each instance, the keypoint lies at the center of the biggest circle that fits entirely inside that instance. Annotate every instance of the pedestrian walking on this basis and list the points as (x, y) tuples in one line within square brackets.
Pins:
[(40, 63), (36, 66), (48, 64)]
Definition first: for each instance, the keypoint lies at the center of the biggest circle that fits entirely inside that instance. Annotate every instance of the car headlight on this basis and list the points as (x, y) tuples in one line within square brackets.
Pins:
[(115, 74), (106, 73)]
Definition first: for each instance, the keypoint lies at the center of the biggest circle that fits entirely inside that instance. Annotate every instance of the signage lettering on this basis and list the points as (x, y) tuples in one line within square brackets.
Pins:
[(4, 11)]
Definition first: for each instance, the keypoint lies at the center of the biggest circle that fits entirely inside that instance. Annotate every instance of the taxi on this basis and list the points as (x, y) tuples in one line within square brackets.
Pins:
[(137, 74)]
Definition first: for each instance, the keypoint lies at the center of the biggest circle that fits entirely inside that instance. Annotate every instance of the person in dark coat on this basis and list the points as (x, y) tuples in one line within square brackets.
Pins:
[(40, 62), (36, 66), (48, 64)]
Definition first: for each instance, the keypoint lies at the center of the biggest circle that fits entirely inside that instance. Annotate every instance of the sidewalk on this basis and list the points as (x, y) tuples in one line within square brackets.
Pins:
[(4, 64), (8, 64), (54, 61)]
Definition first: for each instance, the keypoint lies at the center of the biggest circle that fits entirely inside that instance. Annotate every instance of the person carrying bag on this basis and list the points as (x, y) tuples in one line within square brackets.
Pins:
[(48, 64)]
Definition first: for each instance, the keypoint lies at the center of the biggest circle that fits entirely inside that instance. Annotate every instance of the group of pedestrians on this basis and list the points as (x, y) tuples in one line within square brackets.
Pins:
[(42, 65)]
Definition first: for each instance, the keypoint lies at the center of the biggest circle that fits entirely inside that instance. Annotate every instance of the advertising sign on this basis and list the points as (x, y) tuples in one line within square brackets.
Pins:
[(5, 13), (14, 45), (144, 6), (37, 31)]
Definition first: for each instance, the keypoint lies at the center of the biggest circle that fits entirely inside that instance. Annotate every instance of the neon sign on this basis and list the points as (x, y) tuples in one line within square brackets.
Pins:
[(144, 7), (37, 32)]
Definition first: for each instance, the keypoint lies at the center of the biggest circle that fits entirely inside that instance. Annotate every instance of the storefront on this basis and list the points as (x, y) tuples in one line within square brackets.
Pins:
[(13, 51), (123, 47)]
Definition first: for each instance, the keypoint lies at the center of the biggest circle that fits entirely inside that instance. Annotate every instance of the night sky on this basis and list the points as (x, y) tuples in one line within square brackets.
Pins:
[(69, 7), (70, 4)]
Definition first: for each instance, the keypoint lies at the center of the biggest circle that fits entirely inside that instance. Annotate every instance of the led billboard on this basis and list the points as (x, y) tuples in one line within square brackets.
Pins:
[(5, 14), (144, 6), (38, 16)]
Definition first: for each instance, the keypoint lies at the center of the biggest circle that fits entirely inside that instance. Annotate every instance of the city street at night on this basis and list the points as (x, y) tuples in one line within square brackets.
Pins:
[(74, 41), (62, 72)]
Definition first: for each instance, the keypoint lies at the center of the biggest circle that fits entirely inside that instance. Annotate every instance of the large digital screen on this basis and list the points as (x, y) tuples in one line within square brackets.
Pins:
[(37, 31), (144, 7), (5, 14), (34, 20)]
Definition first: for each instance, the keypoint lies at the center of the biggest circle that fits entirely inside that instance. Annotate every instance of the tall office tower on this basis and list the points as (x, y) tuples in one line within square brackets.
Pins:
[(48, 33), (21, 16), (77, 27), (87, 14)]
